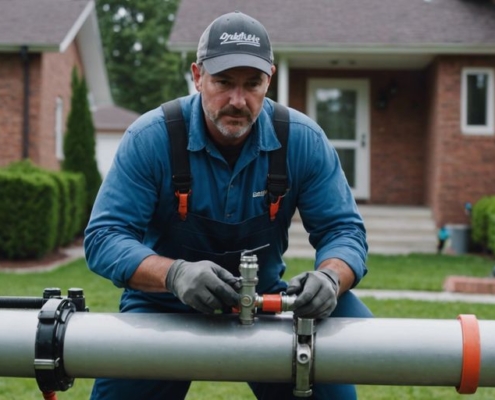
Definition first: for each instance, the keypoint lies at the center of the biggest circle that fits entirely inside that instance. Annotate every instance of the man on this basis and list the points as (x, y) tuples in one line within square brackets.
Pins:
[(179, 251)]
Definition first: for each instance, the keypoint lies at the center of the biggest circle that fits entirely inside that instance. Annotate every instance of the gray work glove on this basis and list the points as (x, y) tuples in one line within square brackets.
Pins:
[(203, 285), (317, 293)]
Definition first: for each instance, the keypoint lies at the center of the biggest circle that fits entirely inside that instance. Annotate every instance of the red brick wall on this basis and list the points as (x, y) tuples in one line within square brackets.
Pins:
[(432, 140), (398, 140), (462, 167), (397, 133), (50, 76)]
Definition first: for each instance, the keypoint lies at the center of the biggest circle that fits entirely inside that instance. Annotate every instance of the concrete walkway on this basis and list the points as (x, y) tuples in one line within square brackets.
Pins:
[(425, 296)]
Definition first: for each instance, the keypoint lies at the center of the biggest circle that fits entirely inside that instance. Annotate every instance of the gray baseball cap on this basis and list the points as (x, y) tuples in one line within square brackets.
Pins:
[(235, 40)]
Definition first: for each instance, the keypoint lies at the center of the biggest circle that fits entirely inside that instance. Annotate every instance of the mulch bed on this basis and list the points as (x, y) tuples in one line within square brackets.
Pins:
[(45, 261), (49, 259)]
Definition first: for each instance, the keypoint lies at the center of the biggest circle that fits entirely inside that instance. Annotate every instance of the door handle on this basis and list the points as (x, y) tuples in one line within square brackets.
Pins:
[(363, 140)]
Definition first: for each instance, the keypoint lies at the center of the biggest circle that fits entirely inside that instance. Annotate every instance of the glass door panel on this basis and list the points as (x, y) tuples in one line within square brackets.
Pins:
[(340, 107)]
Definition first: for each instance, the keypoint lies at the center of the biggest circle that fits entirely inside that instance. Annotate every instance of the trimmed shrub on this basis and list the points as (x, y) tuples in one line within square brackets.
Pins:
[(480, 217), (491, 233), (77, 204), (29, 214), (63, 228), (80, 142), (71, 200)]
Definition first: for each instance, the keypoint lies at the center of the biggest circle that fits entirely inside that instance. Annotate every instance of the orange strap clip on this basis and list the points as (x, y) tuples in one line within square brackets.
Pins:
[(49, 395), (274, 208), (471, 354), (182, 204)]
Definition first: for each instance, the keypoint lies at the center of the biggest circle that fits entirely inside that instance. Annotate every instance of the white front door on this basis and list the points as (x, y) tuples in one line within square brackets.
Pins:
[(341, 108)]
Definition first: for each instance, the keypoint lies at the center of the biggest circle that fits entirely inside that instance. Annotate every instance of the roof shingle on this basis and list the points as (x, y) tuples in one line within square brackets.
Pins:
[(39, 23), (326, 23)]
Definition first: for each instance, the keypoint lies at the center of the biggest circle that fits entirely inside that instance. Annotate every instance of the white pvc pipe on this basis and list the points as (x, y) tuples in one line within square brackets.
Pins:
[(218, 348)]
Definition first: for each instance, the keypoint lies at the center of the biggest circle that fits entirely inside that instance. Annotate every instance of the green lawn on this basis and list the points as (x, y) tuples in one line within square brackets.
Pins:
[(414, 272)]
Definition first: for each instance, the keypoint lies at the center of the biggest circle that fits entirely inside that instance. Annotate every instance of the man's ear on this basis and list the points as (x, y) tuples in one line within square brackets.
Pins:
[(196, 76), (274, 69)]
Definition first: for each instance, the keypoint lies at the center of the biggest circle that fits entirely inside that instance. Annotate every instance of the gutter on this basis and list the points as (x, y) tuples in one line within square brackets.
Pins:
[(25, 122)]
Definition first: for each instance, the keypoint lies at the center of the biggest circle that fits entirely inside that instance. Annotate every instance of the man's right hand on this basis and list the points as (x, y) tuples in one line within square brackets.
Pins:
[(203, 285)]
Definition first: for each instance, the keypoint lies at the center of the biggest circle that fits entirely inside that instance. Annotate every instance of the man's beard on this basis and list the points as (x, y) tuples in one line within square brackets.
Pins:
[(226, 130)]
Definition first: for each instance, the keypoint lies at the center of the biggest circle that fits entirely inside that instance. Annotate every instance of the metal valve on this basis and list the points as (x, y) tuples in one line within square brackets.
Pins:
[(248, 269), (250, 301)]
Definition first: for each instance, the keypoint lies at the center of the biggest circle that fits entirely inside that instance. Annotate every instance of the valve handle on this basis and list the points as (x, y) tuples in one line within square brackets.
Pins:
[(247, 252)]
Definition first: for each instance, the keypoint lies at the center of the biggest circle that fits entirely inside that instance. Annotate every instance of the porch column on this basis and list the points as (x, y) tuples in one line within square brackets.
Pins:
[(283, 81)]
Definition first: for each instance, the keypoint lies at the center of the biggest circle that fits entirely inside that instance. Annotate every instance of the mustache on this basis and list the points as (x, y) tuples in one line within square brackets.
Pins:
[(234, 112)]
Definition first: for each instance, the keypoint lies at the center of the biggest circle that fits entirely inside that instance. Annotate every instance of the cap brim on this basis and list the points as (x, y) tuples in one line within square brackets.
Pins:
[(227, 61)]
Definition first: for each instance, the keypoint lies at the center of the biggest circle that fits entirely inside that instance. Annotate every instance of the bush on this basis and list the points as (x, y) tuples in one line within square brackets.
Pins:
[(29, 214), (491, 233), (480, 217), (80, 142), (70, 202), (77, 204)]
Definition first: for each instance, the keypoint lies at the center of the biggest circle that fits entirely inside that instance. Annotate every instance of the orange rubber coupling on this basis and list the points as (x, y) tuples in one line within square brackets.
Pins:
[(471, 354), (272, 303)]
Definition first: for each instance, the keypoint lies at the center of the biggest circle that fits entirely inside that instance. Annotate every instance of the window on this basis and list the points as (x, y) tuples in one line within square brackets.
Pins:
[(477, 106), (59, 128)]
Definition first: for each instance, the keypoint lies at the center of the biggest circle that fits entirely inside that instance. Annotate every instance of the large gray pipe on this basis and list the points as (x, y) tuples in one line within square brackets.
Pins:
[(421, 352)]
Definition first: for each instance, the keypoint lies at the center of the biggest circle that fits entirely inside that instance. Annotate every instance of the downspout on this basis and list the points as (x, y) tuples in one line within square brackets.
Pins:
[(25, 124)]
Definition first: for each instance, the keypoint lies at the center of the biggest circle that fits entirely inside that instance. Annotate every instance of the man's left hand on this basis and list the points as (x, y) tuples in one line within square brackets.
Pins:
[(317, 293)]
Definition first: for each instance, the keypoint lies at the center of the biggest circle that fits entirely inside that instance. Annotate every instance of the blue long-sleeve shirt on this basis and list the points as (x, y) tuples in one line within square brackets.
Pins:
[(137, 196)]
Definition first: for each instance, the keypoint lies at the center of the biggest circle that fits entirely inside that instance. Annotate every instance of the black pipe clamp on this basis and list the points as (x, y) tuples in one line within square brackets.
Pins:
[(49, 346)]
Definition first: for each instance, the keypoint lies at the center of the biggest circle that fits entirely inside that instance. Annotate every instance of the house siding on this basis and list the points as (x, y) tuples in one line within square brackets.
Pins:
[(50, 76), (418, 153), (462, 167)]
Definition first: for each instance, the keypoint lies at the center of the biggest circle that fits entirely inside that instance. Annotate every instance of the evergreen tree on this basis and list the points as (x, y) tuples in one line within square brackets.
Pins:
[(79, 140), (143, 73)]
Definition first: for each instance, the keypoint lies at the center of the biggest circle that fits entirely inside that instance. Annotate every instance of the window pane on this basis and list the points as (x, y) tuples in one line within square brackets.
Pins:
[(347, 159), (477, 97), (336, 113)]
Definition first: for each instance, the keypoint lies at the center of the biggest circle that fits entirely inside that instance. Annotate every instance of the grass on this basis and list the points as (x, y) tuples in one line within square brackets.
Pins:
[(414, 272), (411, 272)]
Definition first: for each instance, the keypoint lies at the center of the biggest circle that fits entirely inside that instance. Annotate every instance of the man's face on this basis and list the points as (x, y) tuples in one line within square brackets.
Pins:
[(232, 100)]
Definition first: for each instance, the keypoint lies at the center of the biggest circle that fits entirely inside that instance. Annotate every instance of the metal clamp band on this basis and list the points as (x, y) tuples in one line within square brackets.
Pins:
[(49, 345), (304, 357)]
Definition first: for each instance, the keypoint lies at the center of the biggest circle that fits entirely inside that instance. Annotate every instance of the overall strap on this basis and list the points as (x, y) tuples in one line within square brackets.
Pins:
[(277, 182), (181, 170)]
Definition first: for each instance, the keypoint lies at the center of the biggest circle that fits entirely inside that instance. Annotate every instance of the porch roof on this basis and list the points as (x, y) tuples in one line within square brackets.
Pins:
[(113, 118)]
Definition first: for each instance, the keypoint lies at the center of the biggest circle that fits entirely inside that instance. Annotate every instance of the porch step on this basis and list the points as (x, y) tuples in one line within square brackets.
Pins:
[(390, 230)]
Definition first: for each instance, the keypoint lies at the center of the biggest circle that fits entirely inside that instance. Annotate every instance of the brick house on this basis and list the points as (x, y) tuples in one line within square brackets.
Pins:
[(403, 88), (40, 43)]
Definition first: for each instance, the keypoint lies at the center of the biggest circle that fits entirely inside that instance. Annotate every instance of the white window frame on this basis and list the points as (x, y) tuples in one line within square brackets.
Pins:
[(487, 129), (59, 128)]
